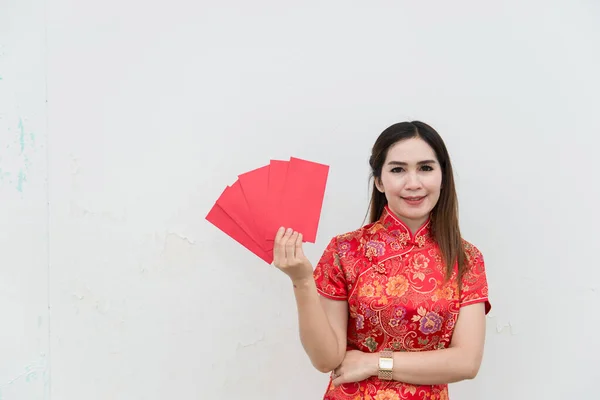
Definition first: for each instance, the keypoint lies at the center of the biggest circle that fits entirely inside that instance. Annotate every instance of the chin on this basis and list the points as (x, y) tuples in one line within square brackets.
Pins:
[(410, 214), (416, 217)]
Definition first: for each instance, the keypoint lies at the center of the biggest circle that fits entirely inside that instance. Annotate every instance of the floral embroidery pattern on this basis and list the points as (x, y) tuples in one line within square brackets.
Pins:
[(397, 286), (371, 344), (360, 322), (388, 394), (430, 323), (375, 248), (344, 247), (398, 298), (419, 266), (398, 316), (368, 290)]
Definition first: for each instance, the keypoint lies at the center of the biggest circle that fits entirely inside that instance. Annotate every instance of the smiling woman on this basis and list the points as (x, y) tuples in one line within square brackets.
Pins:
[(395, 309), (424, 169), (411, 187)]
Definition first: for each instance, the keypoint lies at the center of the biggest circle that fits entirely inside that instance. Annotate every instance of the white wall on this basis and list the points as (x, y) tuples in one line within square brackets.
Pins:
[(24, 258), (153, 107)]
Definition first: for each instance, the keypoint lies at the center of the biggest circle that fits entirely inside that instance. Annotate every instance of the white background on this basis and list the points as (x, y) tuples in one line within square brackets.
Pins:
[(121, 122)]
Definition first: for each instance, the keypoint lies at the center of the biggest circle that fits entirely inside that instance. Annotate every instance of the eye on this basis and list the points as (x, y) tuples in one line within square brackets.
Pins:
[(397, 169), (427, 168)]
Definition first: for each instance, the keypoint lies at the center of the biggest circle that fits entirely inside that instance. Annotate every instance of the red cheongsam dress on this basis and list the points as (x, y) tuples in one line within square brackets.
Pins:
[(398, 298)]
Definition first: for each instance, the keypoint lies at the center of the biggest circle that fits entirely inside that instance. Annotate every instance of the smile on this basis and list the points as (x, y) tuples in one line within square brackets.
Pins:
[(413, 200)]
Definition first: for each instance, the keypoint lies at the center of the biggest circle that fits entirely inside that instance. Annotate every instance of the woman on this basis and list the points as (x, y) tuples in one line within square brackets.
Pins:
[(395, 309)]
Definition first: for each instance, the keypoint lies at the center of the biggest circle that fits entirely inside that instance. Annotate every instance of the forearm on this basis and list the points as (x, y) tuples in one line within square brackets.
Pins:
[(434, 367), (316, 334), (460, 361)]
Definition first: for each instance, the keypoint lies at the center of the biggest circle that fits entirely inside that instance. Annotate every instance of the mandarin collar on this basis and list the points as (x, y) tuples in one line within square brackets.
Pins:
[(396, 228), (390, 236)]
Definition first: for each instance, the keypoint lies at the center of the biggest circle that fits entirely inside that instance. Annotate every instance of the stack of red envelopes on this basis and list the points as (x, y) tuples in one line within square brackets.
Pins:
[(282, 193)]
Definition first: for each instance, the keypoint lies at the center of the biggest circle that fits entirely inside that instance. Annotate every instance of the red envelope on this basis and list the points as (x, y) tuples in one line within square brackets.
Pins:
[(302, 198), (277, 177), (255, 185), (232, 201), (218, 217), (283, 193)]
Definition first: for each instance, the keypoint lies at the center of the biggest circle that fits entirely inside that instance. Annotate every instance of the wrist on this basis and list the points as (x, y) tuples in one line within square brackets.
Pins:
[(373, 363), (301, 283)]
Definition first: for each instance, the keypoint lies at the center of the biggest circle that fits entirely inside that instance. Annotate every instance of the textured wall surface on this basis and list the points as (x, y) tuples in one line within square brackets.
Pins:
[(122, 121)]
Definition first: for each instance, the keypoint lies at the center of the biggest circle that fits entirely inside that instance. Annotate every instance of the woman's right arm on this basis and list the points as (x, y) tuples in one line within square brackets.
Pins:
[(323, 322)]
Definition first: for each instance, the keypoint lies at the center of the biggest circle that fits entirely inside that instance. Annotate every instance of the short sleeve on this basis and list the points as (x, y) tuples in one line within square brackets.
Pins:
[(329, 275), (474, 281)]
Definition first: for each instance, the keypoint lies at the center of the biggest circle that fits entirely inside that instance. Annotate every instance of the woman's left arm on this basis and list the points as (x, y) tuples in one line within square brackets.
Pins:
[(460, 361)]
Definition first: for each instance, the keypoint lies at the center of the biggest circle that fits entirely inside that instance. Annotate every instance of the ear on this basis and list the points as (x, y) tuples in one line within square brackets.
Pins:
[(379, 185)]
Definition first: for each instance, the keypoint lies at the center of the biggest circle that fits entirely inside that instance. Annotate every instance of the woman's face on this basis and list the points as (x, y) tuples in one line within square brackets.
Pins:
[(411, 179)]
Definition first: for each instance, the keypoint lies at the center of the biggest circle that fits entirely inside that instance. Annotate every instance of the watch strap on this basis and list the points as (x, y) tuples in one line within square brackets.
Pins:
[(386, 363)]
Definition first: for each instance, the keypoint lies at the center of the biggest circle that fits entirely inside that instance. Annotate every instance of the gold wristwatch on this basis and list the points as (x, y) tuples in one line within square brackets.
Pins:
[(386, 364)]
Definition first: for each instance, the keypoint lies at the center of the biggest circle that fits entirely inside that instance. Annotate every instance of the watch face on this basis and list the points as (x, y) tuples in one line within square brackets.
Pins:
[(386, 363)]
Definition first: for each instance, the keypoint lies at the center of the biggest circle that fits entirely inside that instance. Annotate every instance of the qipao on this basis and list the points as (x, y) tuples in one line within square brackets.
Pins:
[(398, 298)]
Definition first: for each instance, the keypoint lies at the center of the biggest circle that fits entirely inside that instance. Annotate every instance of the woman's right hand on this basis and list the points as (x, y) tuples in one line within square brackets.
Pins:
[(289, 257)]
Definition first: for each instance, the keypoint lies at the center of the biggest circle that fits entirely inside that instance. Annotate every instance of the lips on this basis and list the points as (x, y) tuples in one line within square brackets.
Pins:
[(414, 200)]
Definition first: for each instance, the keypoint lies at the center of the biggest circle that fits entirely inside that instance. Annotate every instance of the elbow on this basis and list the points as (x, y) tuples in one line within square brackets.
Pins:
[(472, 369), (323, 366), (471, 373), (467, 364), (326, 364)]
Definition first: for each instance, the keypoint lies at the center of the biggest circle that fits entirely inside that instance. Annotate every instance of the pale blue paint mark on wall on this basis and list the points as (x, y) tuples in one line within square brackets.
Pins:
[(16, 160), (30, 374), (22, 178), (21, 135)]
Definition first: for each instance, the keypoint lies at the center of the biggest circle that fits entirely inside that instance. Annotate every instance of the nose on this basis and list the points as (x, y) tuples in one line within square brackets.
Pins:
[(412, 181)]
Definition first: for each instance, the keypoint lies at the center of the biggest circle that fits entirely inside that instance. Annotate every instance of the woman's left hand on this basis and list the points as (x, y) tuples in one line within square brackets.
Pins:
[(357, 366)]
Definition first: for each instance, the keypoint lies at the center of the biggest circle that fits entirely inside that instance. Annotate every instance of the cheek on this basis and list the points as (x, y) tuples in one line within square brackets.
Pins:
[(392, 184), (434, 183)]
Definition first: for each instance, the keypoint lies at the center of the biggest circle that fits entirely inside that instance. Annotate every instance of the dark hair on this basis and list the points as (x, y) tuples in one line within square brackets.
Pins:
[(444, 216)]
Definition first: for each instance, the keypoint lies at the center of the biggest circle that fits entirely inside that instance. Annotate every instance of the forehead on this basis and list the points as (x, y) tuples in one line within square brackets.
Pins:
[(410, 151)]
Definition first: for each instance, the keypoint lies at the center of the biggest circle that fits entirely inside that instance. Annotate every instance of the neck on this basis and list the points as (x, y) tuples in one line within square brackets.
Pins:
[(412, 224)]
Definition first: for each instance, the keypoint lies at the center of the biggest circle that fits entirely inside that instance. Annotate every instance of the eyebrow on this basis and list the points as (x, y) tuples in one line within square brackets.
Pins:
[(404, 164)]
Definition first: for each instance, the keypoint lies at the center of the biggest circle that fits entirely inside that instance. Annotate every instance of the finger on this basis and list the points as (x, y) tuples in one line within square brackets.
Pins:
[(299, 251), (279, 234), (283, 243), (290, 247), (286, 236), (278, 249), (339, 381)]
